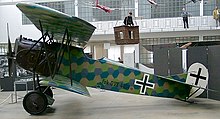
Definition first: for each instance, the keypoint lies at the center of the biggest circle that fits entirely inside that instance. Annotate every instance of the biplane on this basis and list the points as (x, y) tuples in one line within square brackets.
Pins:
[(104, 8), (58, 57)]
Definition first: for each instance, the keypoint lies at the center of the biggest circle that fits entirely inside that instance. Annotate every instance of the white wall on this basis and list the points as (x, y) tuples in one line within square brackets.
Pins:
[(146, 69), (128, 59), (114, 52), (11, 14)]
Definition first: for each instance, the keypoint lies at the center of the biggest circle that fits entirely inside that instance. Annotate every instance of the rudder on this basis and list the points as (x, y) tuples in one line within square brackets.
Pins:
[(197, 76)]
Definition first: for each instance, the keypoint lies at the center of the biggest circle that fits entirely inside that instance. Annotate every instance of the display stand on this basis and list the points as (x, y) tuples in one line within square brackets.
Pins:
[(126, 35)]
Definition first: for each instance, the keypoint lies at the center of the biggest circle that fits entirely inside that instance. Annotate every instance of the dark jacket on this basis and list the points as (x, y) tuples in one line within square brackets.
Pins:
[(128, 20)]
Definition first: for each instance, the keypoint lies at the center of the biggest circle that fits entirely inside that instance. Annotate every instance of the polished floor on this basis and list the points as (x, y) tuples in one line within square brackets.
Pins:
[(112, 105)]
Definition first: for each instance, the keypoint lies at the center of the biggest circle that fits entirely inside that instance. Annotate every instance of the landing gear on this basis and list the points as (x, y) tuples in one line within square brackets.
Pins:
[(42, 59), (35, 102), (46, 90)]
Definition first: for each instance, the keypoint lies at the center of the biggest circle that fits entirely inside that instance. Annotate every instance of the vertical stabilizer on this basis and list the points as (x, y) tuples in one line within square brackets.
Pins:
[(197, 75)]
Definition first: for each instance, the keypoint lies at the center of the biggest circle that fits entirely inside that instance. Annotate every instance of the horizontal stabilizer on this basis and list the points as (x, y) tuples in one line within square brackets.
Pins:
[(179, 77), (65, 83), (196, 88)]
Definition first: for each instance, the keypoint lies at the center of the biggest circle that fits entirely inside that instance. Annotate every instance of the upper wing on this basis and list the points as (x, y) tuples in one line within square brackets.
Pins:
[(56, 23), (65, 83)]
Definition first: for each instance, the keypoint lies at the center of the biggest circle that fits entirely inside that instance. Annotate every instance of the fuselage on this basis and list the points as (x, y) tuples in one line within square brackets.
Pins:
[(102, 73)]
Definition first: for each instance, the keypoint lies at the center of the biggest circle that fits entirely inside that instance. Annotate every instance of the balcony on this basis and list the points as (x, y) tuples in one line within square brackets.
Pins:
[(161, 25)]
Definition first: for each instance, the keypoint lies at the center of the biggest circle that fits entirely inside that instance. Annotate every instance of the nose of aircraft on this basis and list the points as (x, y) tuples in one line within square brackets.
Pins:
[(34, 59)]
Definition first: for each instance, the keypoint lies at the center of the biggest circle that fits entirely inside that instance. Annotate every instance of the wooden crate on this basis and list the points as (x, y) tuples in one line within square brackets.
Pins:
[(122, 36)]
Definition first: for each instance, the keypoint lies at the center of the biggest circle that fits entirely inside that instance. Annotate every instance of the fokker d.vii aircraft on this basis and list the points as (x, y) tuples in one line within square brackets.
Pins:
[(63, 65)]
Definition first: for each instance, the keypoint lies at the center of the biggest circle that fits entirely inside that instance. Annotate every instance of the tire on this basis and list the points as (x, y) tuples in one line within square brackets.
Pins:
[(35, 102)]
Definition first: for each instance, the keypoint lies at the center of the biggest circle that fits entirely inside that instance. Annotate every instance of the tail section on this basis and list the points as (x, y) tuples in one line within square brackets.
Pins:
[(197, 76)]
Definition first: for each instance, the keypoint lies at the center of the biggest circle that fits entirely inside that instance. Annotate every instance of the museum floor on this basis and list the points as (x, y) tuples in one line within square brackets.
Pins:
[(111, 105)]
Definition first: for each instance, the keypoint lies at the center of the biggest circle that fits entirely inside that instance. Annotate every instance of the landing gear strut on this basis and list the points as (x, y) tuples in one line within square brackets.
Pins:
[(44, 61), (46, 90)]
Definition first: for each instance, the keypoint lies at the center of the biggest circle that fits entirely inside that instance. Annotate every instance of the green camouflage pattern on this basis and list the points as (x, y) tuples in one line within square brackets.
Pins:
[(110, 75)]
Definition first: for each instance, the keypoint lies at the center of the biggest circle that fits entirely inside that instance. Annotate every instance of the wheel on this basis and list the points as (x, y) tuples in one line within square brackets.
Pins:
[(35, 102), (42, 89)]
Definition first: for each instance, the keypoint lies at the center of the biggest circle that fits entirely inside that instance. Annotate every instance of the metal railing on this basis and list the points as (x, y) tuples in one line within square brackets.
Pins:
[(159, 25)]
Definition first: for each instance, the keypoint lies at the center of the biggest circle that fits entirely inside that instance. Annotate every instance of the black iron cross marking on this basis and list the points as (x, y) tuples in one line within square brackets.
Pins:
[(198, 76), (144, 84)]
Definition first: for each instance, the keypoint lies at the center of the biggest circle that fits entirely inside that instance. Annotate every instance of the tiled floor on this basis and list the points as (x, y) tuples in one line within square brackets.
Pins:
[(111, 105)]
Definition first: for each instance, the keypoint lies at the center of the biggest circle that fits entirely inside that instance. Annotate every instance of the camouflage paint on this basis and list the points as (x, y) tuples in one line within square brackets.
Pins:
[(110, 75), (56, 22), (102, 73)]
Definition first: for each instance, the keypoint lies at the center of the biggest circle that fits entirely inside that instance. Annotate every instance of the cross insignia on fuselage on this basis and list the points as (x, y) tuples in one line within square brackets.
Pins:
[(198, 76), (144, 84)]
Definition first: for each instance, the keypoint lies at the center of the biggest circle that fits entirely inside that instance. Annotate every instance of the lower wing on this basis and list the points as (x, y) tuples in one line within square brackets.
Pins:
[(65, 83)]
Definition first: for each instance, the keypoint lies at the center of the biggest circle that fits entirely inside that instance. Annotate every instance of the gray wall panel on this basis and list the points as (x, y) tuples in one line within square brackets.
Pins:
[(161, 62), (197, 54), (7, 84), (175, 61), (214, 68)]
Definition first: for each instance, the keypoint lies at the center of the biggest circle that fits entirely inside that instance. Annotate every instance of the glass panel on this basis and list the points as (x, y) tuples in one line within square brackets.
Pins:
[(166, 8), (91, 13), (209, 6), (211, 38), (67, 7)]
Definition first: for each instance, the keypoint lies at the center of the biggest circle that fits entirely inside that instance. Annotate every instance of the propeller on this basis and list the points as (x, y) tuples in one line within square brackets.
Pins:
[(9, 54)]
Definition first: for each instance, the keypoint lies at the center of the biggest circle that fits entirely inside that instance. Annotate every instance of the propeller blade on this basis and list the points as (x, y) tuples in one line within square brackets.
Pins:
[(9, 54)]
